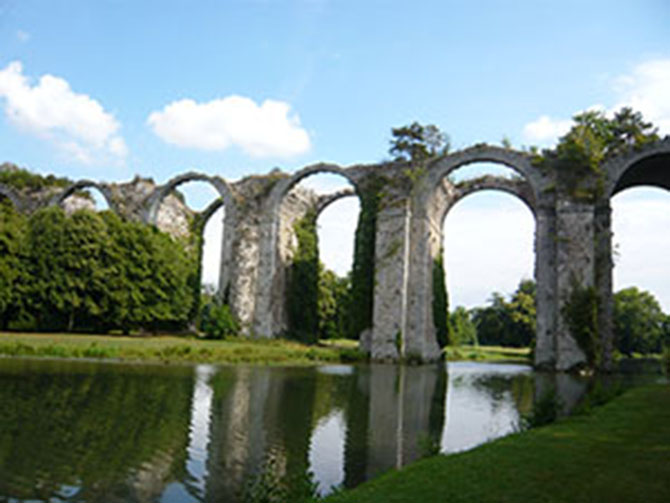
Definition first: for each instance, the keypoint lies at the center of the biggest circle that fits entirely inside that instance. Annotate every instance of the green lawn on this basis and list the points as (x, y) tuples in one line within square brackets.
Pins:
[(618, 453), (170, 349), (487, 353)]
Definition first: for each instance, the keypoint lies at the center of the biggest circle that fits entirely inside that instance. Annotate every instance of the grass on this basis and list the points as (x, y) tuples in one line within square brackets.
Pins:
[(176, 349), (619, 452), (487, 354), (172, 349)]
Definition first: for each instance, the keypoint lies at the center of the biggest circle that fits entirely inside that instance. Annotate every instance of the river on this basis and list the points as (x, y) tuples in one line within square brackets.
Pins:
[(111, 432)]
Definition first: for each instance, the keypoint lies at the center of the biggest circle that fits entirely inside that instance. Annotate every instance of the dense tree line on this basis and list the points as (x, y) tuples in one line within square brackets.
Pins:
[(640, 325), (91, 272)]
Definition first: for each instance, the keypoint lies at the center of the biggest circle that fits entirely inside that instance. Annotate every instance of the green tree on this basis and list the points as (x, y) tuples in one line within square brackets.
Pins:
[(592, 139), (417, 143), (440, 302), (508, 323), (363, 266), (12, 234), (639, 322), (303, 282), (463, 330), (334, 304)]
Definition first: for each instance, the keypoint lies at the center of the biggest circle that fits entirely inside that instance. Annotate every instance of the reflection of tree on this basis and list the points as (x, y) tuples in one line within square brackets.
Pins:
[(101, 428), (259, 414)]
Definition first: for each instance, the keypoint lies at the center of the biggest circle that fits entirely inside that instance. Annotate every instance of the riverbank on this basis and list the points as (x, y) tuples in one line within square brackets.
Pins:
[(173, 349), (617, 453), (496, 354), (183, 349)]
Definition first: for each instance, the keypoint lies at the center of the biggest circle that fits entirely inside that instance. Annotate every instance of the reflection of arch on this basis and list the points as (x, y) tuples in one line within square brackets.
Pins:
[(648, 166), (515, 187), (59, 198), (154, 200), (12, 195)]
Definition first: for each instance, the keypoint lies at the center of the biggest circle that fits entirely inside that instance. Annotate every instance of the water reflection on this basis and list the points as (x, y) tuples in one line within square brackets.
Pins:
[(85, 432)]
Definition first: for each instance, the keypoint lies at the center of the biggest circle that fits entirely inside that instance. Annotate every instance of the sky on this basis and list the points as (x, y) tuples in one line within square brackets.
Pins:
[(109, 89)]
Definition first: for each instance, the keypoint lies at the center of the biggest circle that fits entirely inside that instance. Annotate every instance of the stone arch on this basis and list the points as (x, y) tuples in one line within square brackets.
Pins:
[(13, 196), (648, 166), (515, 187), (328, 199), (431, 199), (226, 198), (59, 198), (269, 314), (443, 166), (154, 200)]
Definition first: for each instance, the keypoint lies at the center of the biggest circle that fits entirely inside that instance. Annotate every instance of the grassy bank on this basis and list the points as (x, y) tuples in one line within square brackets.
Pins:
[(487, 354), (171, 349), (174, 349), (618, 453)]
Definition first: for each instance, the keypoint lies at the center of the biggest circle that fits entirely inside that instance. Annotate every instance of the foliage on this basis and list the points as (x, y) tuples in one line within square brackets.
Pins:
[(334, 304), (461, 328), (363, 267), (417, 143), (440, 302), (593, 139), (665, 360), (268, 486), (92, 272), (545, 410), (217, 322), (638, 322), (508, 323), (581, 315), (21, 179), (12, 230), (303, 282)]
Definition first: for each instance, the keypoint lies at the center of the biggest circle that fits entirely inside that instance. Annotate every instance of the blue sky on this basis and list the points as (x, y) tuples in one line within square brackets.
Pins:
[(108, 89)]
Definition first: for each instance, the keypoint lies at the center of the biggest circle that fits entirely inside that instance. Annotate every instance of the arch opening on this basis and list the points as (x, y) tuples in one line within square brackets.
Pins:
[(85, 195), (652, 171), (640, 244), (193, 208), (317, 219), (487, 226)]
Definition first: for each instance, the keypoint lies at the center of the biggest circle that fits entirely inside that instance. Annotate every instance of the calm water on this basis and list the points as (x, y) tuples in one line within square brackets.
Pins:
[(95, 432)]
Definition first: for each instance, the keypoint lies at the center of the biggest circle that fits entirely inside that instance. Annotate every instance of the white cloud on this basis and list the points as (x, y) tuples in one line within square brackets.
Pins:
[(545, 129), (51, 110), (268, 130), (645, 89)]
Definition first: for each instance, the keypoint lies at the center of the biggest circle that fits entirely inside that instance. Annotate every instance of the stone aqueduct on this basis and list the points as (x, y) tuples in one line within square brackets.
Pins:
[(572, 241)]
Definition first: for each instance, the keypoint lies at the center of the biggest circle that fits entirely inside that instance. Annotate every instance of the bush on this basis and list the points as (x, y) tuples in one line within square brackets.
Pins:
[(217, 322)]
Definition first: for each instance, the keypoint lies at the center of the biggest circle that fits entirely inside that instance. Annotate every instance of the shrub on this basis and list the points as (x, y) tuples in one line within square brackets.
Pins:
[(217, 322)]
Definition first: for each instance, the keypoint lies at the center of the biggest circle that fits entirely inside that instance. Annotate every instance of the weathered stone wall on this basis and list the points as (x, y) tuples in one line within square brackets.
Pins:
[(572, 239)]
